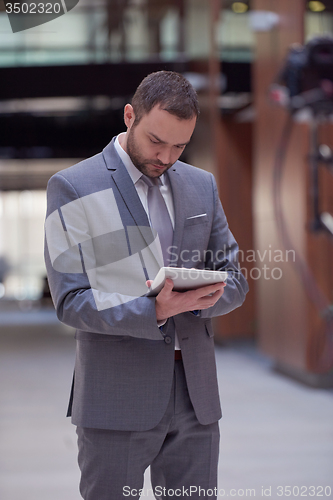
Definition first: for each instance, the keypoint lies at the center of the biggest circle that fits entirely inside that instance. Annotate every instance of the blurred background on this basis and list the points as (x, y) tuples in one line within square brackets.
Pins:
[(264, 76)]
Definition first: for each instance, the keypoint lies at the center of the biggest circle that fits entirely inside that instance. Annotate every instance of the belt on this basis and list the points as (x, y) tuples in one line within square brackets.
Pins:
[(178, 355)]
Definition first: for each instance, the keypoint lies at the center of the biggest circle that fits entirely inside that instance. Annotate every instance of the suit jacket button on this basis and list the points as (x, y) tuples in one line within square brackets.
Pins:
[(167, 339)]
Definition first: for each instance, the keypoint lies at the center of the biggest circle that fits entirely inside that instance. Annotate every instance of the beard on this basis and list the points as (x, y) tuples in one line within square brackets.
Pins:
[(144, 165)]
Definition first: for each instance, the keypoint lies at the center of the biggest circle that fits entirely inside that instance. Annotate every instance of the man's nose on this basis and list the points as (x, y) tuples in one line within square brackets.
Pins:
[(164, 156)]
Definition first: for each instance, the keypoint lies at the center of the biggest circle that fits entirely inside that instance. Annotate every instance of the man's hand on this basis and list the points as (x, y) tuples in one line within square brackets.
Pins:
[(169, 303)]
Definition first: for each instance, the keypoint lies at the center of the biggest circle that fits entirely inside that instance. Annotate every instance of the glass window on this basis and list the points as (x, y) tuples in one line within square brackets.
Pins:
[(133, 30)]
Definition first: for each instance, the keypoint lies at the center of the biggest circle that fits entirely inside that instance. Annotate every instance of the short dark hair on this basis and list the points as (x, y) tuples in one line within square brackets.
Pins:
[(171, 91)]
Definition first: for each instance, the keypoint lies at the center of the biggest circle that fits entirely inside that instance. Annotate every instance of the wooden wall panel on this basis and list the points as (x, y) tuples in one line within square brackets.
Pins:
[(280, 303), (224, 148), (235, 186), (289, 328)]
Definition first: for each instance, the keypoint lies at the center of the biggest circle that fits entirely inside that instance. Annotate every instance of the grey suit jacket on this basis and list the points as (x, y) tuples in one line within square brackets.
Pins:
[(124, 362)]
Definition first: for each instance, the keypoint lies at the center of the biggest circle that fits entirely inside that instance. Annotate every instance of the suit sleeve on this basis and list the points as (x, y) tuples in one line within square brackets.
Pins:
[(70, 257), (223, 256)]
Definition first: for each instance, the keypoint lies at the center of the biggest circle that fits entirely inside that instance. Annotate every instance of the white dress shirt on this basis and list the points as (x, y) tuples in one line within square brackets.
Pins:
[(142, 190)]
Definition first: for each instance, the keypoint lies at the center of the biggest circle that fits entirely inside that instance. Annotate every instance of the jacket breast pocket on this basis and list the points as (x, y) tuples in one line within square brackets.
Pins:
[(194, 221)]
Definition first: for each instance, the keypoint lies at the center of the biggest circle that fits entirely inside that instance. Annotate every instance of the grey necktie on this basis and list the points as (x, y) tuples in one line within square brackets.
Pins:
[(159, 215)]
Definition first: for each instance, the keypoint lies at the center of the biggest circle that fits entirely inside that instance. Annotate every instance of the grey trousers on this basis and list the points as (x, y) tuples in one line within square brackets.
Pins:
[(181, 452)]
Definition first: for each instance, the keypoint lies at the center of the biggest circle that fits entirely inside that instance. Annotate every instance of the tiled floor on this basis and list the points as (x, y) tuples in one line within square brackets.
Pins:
[(276, 435)]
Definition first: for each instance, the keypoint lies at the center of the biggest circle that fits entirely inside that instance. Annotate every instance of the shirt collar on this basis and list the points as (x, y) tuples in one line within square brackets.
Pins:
[(134, 173)]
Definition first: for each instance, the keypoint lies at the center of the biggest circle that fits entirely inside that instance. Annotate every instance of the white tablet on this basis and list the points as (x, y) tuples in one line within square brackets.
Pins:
[(186, 279)]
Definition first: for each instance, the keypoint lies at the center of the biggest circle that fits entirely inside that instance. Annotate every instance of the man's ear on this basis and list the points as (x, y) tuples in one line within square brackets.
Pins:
[(129, 115)]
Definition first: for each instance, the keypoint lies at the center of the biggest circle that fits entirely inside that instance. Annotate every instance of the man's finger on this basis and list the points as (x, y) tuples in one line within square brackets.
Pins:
[(167, 289), (209, 289), (168, 285), (210, 300)]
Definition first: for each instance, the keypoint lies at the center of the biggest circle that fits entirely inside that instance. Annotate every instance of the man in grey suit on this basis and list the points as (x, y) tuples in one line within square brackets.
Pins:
[(145, 387)]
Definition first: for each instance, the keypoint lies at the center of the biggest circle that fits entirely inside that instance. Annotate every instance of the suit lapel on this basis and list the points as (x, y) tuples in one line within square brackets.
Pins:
[(125, 185), (130, 197), (179, 204), (126, 188), (186, 204)]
